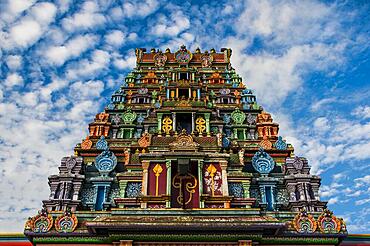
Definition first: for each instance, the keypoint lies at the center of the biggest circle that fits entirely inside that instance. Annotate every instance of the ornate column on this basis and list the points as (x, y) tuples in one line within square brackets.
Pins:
[(302, 196), (291, 191), (168, 187), (174, 122), (315, 189), (122, 188), (225, 186), (144, 191), (246, 186), (200, 178), (159, 120), (207, 116), (192, 122)]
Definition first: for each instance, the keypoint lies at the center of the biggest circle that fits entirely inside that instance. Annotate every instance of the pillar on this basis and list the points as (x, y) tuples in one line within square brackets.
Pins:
[(168, 187), (207, 116), (225, 186), (174, 122), (159, 120), (198, 94), (200, 178), (192, 122), (144, 191)]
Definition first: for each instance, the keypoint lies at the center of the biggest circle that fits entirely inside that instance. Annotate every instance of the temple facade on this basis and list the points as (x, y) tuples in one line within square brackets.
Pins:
[(184, 155)]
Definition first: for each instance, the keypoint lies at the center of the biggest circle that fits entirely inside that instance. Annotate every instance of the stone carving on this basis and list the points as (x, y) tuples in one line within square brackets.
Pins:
[(241, 156), (238, 116), (133, 189), (116, 119), (224, 91), (102, 144), (304, 222), (263, 162), (127, 155), (142, 91), (160, 59), (236, 190), (251, 119), (328, 223), (105, 162), (298, 163), (206, 60), (42, 222), (265, 143), (184, 142), (70, 163), (183, 56), (145, 140), (129, 116), (86, 144), (67, 222), (227, 119), (280, 144)]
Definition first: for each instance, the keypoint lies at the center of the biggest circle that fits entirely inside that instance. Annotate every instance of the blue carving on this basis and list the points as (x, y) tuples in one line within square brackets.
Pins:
[(102, 144), (227, 118), (133, 189), (280, 144), (225, 142), (105, 162), (111, 106), (247, 91), (245, 106), (140, 119), (138, 133), (236, 190), (228, 132), (263, 162), (157, 105)]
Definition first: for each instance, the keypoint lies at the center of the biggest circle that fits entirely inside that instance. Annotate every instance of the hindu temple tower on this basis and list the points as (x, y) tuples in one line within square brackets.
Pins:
[(184, 155)]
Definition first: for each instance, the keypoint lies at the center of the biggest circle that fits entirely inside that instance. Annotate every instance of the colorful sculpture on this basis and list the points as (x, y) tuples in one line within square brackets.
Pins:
[(183, 154)]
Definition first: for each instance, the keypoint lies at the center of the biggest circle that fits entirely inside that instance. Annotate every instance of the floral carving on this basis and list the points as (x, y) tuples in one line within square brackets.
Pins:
[(304, 222), (238, 116), (328, 223), (263, 162), (66, 222)]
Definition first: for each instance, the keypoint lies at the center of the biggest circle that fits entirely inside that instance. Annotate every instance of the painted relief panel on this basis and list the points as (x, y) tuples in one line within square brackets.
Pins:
[(186, 186), (157, 179), (212, 179)]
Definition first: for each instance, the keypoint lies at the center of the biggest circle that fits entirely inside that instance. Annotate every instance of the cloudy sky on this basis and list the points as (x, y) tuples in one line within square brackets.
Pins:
[(307, 61)]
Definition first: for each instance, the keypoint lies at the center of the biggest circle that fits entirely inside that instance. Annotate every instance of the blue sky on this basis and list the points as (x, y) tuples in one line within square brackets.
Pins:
[(307, 61)]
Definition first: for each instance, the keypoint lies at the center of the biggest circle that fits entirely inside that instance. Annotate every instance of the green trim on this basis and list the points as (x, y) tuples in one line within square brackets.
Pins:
[(63, 240), (297, 240), (184, 237)]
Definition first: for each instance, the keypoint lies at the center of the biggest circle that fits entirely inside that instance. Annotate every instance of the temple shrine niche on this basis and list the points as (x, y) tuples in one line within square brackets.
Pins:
[(184, 155)]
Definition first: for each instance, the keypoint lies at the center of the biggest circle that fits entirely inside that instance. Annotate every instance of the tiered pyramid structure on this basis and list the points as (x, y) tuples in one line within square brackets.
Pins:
[(184, 155)]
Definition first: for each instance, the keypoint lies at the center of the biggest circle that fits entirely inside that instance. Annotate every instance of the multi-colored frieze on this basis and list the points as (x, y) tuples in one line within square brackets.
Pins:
[(183, 153)]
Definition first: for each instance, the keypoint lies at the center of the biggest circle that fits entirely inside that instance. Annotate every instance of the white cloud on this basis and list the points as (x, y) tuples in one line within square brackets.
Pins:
[(26, 32), (333, 200), (29, 28), (14, 62), (362, 112), (13, 79), (89, 67), (124, 63), (115, 38), (88, 17), (172, 26), (140, 9), (58, 55)]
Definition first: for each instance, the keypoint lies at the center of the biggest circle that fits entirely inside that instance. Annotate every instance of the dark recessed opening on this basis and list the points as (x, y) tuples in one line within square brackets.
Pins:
[(183, 93), (183, 75), (183, 121)]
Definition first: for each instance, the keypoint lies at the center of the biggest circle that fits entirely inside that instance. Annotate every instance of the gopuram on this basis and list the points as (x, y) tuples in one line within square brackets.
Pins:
[(184, 155)]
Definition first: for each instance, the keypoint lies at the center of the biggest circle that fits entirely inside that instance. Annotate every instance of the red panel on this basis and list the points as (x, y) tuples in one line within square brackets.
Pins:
[(188, 185), (217, 180), (162, 180)]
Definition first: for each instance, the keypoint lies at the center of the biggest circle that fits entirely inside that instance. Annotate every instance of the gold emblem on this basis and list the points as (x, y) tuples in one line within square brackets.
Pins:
[(212, 170), (200, 122), (157, 171), (167, 125), (189, 187)]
